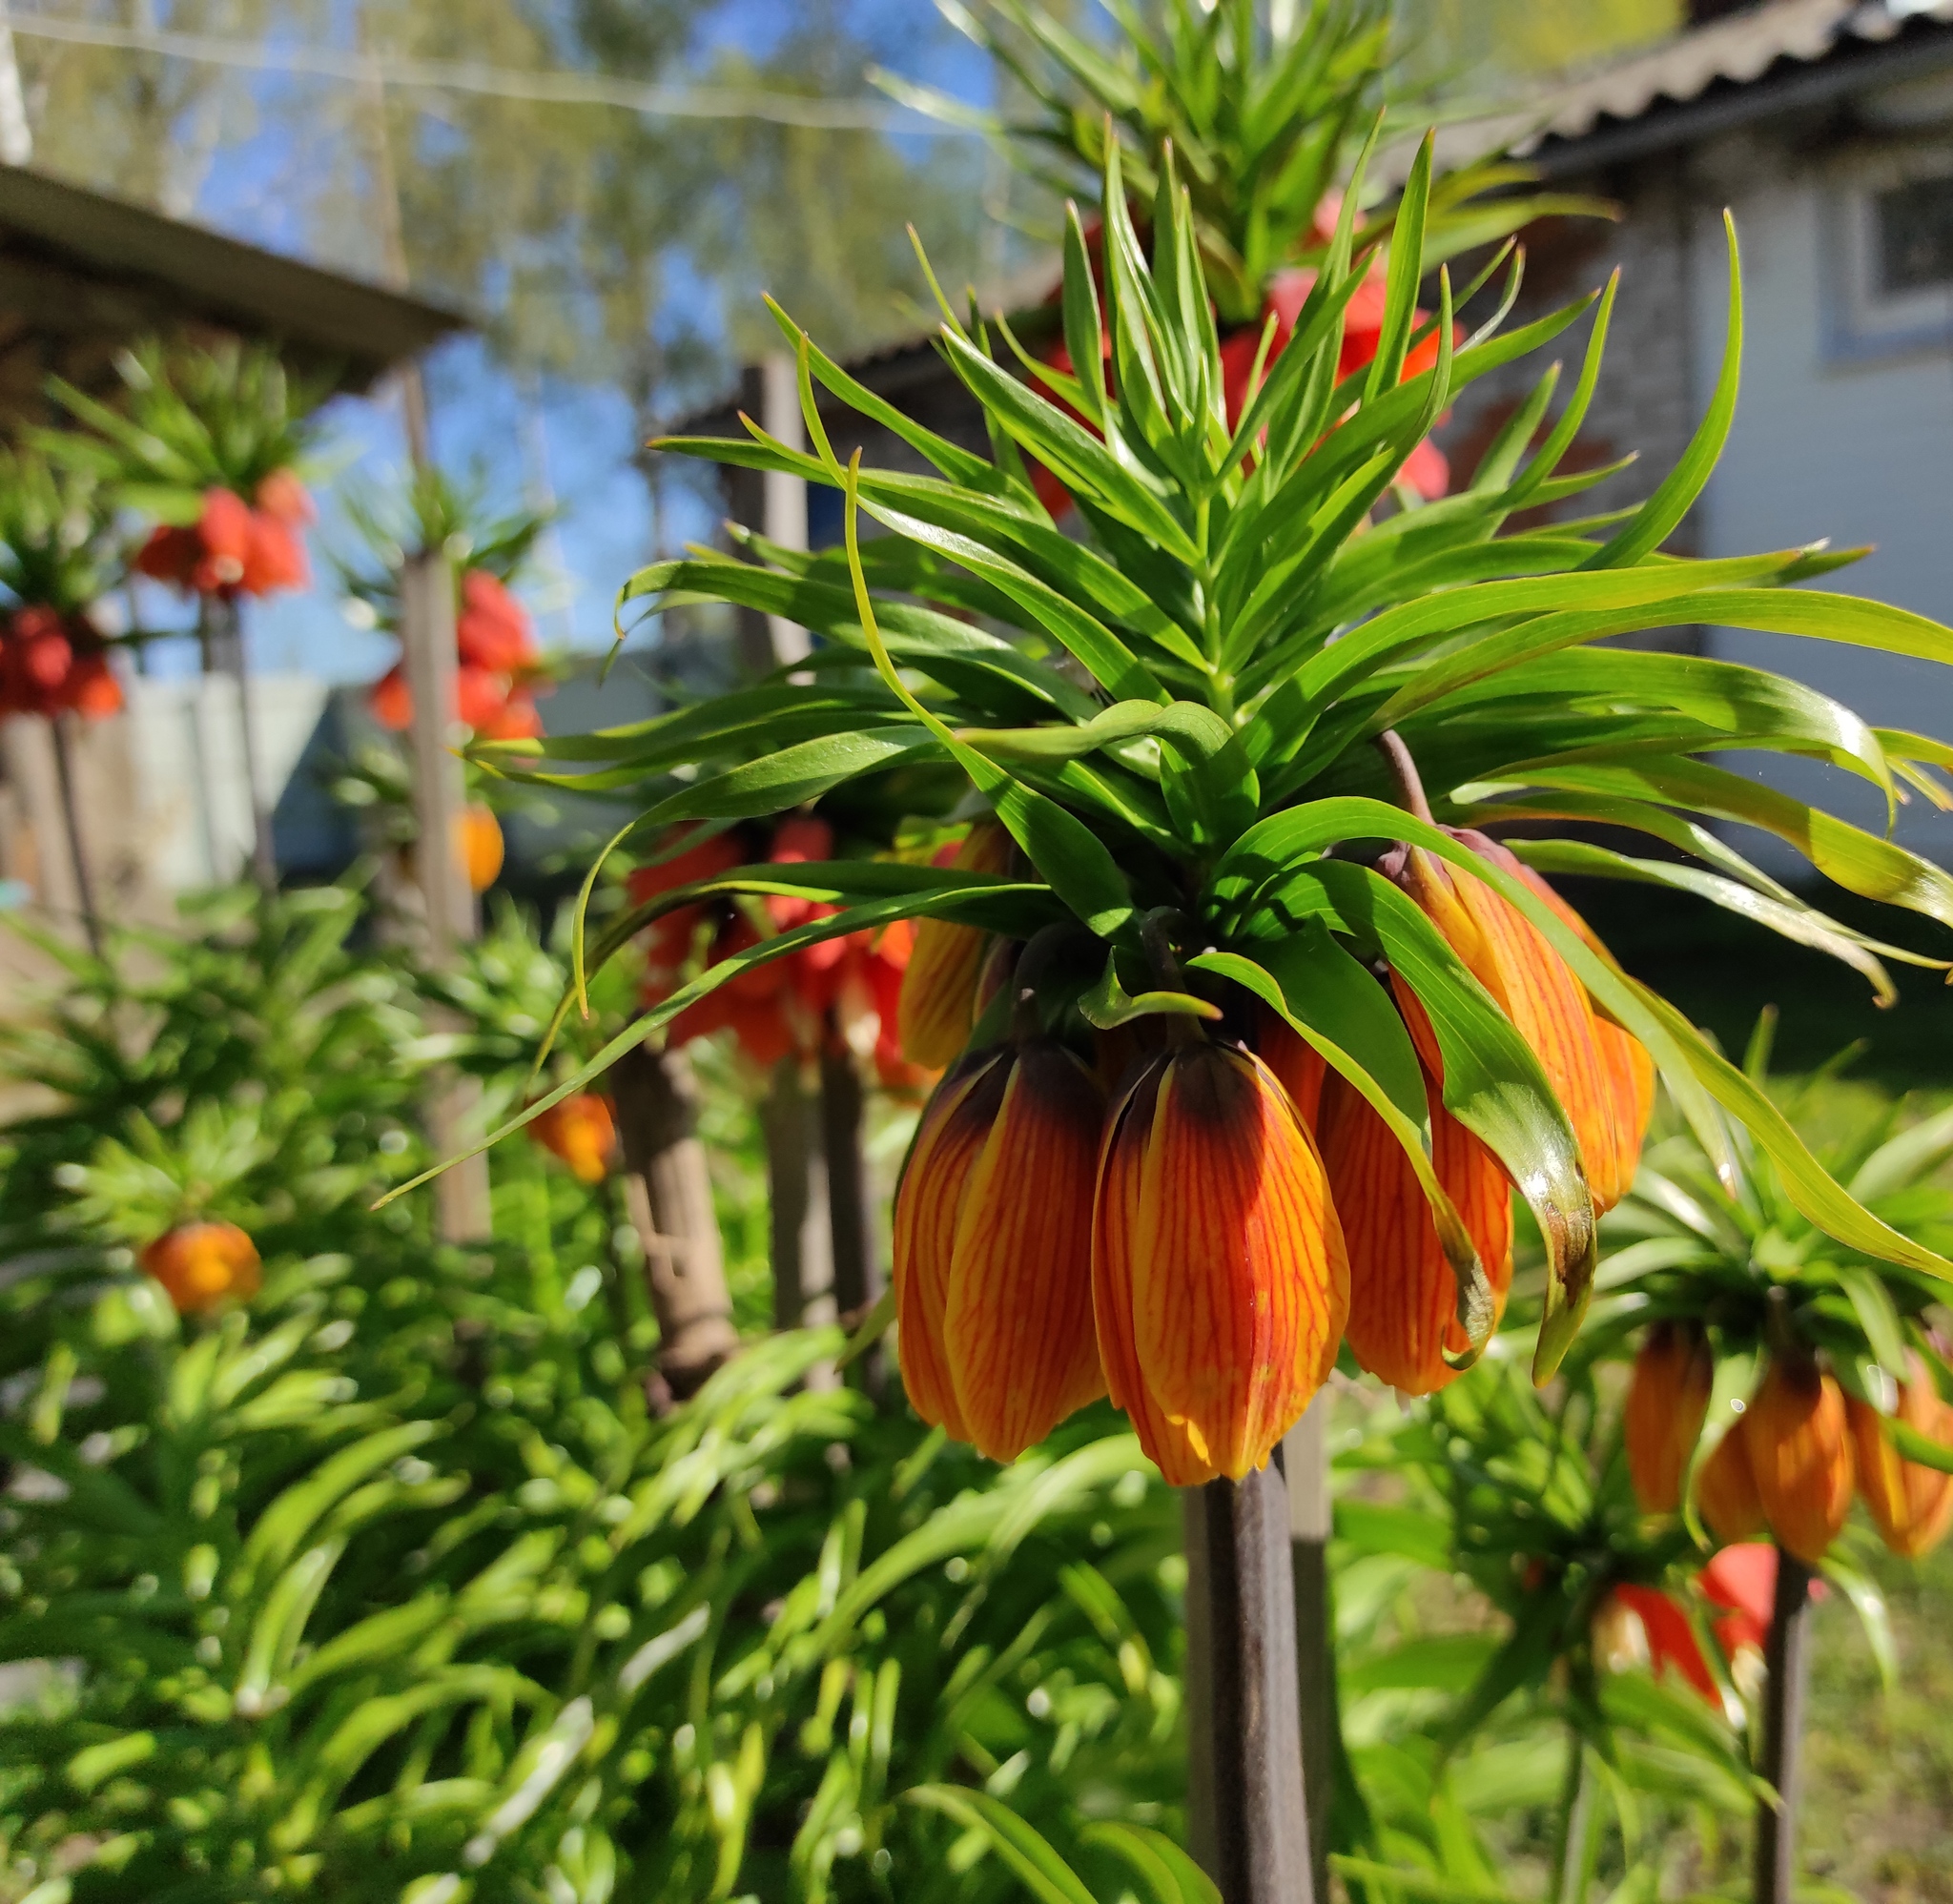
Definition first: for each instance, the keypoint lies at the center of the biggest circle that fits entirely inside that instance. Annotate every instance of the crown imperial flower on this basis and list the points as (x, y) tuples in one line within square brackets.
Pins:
[(1220, 1279)]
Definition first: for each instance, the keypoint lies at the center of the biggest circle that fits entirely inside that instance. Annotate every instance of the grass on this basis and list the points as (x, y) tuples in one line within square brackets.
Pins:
[(1879, 1801)]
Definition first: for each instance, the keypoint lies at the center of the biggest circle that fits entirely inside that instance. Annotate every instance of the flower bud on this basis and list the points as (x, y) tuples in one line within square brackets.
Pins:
[(1668, 1399), (480, 836), (581, 1132), (938, 1000), (1910, 1504), (200, 1264), (1799, 1448), (993, 1249), (1403, 1290), (1726, 1493), (1220, 1281)]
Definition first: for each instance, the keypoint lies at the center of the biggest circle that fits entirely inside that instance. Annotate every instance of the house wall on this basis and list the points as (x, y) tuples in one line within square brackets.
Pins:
[(1645, 404), (1832, 438)]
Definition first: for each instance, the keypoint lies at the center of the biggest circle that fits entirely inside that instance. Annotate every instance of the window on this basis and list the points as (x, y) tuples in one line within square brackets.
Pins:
[(1915, 236), (1885, 267)]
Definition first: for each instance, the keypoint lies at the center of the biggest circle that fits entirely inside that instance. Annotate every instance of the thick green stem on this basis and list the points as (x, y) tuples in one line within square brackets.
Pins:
[(1575, 1841)]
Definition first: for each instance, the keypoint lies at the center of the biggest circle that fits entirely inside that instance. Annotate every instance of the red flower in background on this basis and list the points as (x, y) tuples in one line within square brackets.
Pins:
[(848, 984), (51, 664), (496, 647), (1670, 1639), (1740, 1582), (235, 549)]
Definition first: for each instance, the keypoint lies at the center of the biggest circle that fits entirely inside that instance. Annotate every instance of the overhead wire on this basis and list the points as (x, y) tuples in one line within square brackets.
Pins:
[(558, 86)]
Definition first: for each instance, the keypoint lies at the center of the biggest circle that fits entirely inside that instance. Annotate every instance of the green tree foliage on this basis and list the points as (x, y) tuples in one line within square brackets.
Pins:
[(1493, 43)]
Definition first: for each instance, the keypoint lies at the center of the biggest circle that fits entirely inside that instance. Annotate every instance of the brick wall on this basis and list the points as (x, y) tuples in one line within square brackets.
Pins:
[(1646, 401)]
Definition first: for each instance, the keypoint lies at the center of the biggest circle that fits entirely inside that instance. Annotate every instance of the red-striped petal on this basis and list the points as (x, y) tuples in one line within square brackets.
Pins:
[(1018, 1329), (1403, 1293), (1240, 1283), (929, 1201)]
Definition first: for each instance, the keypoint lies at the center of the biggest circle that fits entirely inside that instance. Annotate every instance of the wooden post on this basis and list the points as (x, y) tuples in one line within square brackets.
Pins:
[(857, 1275), (61, 728), (851, 1223), (667, 1189), (1306, 1469), (797, 1195), (223, 647), (1246, 1817), (785, 497), (427, 640), (1786, 1660)]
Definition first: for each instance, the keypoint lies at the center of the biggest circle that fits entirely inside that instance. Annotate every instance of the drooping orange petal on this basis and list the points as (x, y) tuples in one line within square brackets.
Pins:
[(1910, 1504), (1630, 1070), (1668, 1397), (1241, 1285), (1726, 1493), (938, 1001), (1800, 1448), (1403, 1293), (1299, 1068), (1115, 1226), (1018, 1331), (928, 1203), (1548, 1006)]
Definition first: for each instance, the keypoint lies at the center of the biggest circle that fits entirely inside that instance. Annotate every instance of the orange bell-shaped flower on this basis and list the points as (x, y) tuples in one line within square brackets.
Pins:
[(1403, 1292), (1800, 1448), (1726, 1493), (1668, 1399), (993, 1249), (205, 1264), (581, 1132), (478, 833), (1218, 1276), (1630, 1070), (1536, 988), (1910, 1504), (938, 1001)]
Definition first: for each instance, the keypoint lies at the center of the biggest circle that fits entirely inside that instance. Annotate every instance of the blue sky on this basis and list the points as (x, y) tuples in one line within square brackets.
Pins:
[(573, 440)]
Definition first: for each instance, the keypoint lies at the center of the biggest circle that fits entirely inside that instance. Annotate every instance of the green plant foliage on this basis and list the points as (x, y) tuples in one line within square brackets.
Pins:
[(429, 512), (1453, 1734), (192, 420), (1173, 713), (389, 1580), (380, 1585), (1265, 109), (285, 1048), (56, 534)]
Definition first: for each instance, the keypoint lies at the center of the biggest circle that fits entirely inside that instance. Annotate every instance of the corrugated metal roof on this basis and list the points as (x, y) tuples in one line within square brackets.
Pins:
[(1736, 51)]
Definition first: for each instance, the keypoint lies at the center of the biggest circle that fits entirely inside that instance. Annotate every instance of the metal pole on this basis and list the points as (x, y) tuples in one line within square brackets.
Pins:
[(1247, 1815), (1786, 1659), (1306, 1468)]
